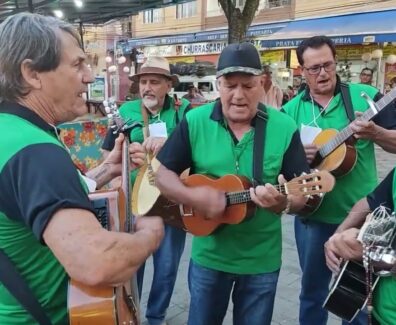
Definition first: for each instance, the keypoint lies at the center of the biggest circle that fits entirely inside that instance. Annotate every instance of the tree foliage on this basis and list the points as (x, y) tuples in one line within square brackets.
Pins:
[(238, 20)]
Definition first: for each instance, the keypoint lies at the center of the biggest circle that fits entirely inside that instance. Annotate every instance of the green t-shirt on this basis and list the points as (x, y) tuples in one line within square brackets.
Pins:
[(33, 168), (385, 292), (363, 177), (204, 141), (169, 115)]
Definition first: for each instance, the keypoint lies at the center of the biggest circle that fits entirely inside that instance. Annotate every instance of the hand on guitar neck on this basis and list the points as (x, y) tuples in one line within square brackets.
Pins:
[(268, 197), (365, 129)]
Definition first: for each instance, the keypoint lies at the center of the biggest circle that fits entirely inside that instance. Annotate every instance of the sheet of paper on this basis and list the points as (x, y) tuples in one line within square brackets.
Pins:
[(309, 133), (158, 130)]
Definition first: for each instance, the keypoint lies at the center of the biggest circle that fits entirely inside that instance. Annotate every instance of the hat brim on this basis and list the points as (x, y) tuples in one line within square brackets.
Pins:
[(247, 70), (173, 77)]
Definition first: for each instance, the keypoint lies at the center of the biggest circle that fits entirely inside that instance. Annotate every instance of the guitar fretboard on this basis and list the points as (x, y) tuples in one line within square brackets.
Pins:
[(244, 196), (345, 133)]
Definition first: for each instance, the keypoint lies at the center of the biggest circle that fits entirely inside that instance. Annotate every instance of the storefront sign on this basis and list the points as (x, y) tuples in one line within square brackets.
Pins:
[(289, 43), (167, 50), (354, 52), (269, 57), (200, 48), (181, 59)]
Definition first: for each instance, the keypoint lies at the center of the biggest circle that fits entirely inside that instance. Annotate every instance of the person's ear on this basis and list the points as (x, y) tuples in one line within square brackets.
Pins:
[(29, 75)]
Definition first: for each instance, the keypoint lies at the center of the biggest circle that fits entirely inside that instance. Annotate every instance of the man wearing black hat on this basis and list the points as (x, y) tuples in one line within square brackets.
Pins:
[(218, 139)]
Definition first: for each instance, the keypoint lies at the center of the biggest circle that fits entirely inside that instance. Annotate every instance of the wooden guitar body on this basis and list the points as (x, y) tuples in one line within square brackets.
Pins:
[(197, 224), (104, 305), (348, 294), (340, 161)]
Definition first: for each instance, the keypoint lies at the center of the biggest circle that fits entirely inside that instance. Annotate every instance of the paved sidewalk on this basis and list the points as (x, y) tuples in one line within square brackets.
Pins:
[(286, 303)]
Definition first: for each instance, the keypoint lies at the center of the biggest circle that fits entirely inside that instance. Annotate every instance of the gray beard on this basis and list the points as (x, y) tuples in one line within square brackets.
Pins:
[(150, 103)]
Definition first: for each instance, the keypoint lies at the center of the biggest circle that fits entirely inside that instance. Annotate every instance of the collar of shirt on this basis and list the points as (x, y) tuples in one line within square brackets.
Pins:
[(217, 114), (26, 114)]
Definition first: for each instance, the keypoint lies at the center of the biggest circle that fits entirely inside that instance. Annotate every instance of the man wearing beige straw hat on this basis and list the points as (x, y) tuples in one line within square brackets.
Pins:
[(163, 114)]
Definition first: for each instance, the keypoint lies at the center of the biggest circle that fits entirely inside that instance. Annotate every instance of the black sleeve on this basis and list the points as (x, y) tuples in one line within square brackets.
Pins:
[(382, 194), (294, 160), (189, 107), (34, 188), (176, 152), (109, 140), (386, 118)]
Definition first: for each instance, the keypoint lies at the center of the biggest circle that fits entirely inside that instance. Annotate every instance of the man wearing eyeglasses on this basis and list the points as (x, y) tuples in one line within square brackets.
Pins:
[(321, 106), (366, 76)]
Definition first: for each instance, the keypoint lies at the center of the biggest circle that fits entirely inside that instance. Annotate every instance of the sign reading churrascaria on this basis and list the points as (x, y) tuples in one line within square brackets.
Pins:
[(201, 48)]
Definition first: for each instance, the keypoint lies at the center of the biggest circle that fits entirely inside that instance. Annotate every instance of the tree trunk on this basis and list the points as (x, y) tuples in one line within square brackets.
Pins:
[(238, 21)]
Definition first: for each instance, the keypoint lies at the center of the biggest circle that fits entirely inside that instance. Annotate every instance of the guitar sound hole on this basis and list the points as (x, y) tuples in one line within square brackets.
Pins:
[(101, 207)]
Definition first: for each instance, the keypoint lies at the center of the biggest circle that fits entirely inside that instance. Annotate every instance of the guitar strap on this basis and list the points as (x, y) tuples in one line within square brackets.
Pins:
[(18, 287), (346, 98), (258, 144)]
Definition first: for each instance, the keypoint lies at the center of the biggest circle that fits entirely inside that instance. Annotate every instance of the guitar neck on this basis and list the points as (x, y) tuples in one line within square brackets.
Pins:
[(244, 196), (126, 182), (347, 132)]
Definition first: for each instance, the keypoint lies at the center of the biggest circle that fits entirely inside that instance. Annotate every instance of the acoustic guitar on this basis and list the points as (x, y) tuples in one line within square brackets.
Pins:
[(109, 305), (348, 294), (337, 154), (239, 204)]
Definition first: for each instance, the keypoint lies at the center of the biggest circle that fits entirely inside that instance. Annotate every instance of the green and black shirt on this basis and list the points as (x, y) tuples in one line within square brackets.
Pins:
[(385, 291), (37, 178), (204, 143)]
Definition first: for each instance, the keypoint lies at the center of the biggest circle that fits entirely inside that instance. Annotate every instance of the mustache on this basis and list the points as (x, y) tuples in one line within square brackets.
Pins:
[(148, 93)]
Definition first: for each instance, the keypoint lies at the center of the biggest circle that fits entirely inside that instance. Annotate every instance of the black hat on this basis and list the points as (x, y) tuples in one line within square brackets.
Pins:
[(239, 57)]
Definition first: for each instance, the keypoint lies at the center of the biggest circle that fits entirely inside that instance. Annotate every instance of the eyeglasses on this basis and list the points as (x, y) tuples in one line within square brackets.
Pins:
[(328, 67), (366, 74)]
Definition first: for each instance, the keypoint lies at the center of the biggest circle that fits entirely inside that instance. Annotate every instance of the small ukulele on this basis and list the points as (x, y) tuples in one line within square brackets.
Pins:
[(239, 204)]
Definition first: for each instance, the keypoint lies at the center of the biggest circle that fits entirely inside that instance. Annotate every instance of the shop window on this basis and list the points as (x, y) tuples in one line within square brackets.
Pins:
[(182, 86), (186, 10), (152, 16), (205, 86)]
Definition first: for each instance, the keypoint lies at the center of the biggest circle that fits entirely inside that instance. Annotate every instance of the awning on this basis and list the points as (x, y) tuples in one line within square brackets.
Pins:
[(254, 31), (204, 36), (370, 27)]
